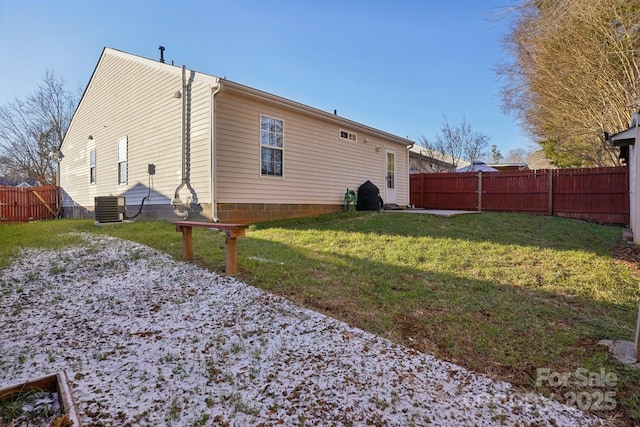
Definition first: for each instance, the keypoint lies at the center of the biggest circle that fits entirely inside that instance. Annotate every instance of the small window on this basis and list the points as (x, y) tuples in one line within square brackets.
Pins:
[(271, 146), (122, 160), (348, 136), (92, 166)]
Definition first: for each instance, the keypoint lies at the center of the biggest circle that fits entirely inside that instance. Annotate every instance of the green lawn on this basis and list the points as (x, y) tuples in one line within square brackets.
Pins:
[(501, 294)]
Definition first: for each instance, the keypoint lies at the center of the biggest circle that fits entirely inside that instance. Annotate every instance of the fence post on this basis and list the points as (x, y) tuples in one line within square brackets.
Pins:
[(550, 191), (422, 191), (57, 192), (480, 191)]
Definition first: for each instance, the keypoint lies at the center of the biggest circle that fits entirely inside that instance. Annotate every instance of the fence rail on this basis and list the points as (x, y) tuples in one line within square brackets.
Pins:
[(28, 204), (595, 194)]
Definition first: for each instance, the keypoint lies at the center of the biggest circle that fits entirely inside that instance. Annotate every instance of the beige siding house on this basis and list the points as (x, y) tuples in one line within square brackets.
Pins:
[(175, 142)]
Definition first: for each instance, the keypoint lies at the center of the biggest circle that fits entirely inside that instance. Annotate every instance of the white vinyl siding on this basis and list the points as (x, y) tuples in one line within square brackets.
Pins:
[(133, 96), (319, 165)]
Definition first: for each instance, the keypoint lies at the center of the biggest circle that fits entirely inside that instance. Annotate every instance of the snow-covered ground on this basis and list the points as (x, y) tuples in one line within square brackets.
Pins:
[(147, 340)]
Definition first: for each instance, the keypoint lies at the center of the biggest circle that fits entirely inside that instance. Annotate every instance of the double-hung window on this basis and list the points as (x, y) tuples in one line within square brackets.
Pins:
[(271, 146), (92, 166), (122, 160)]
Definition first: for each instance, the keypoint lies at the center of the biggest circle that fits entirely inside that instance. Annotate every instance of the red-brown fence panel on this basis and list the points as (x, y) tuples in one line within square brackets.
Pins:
[(444, 190), (28, 204), (595, 194), (598, 194), (516, 191)]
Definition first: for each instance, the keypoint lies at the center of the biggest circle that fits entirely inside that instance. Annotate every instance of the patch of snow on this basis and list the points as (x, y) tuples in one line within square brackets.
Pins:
[(147, 340), (264, 260)]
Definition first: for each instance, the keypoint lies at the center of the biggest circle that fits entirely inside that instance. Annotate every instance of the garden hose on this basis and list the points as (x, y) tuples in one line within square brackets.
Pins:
[(350, 198)]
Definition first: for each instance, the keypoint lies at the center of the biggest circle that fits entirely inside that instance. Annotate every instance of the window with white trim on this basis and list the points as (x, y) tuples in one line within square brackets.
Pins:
[(271, 146), (350, 136), (92, 166), (122, 160)]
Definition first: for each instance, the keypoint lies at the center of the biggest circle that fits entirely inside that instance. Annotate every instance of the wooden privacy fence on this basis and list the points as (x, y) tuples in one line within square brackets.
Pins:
[(28, 204), (595, 194)]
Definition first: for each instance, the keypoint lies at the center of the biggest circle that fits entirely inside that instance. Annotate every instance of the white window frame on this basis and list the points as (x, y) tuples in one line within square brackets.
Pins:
[(93, 177), (390, 168), (122, 160), (348, 136), (265, 145)]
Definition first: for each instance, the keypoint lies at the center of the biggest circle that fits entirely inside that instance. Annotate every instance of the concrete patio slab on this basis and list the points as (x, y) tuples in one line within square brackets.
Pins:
[(624, 351), (440, 212)]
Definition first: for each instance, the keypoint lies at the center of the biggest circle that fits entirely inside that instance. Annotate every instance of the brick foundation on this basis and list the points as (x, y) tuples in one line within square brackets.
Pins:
[(240, 213), (246, 213)]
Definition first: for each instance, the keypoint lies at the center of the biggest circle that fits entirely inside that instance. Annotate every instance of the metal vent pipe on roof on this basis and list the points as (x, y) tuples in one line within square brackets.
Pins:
[(161, 48)]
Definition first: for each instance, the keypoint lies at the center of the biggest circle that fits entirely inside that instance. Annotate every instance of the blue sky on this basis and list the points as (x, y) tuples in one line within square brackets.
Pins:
[(399, 66)]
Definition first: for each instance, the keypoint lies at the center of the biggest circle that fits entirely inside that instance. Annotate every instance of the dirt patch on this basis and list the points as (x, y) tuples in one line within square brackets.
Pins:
[(628, 255)]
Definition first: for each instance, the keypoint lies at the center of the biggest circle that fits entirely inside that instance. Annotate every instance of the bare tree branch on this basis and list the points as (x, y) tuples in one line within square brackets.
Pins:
[(575, 74), (457, 143), (32, 128)]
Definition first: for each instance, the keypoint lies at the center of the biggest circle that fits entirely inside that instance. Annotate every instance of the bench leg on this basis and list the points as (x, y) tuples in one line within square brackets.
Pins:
[(187, 239), (231, 255)]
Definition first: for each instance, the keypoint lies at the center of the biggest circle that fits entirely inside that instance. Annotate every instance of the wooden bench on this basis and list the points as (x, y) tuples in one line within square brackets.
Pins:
[(233, 231)]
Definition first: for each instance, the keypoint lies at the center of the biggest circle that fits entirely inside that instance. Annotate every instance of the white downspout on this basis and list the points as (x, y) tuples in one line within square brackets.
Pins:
[(213, 182), (408, 175)]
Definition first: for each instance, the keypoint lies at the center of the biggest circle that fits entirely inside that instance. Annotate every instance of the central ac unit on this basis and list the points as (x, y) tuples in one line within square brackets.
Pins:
[(109, 209)]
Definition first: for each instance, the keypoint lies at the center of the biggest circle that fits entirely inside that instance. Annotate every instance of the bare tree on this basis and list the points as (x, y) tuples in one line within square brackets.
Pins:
[(575, 74), (32, 128), (517, 155), (457, 143)]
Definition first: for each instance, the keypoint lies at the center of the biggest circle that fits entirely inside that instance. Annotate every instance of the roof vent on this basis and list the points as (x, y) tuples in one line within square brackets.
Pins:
[(161, 49)]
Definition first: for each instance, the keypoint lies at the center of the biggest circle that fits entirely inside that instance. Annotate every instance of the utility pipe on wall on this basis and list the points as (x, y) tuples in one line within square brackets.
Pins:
[(213, 181), (180, 207)]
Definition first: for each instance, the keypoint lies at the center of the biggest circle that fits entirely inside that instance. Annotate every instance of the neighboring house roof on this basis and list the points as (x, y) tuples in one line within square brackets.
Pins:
[(509, 166), (29, 182), (425, 160), (436, 160), (477, 166)]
